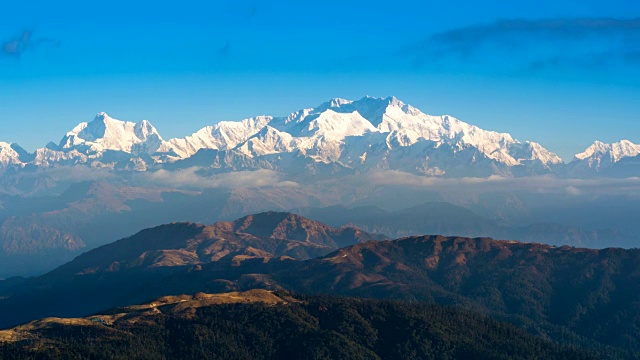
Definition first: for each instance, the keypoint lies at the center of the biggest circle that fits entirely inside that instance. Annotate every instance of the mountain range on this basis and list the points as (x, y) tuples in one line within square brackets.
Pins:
[(573, 296), (348, 136)]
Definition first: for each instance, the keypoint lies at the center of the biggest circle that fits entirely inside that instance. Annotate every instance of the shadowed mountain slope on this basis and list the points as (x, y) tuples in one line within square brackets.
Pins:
[(264, 235)]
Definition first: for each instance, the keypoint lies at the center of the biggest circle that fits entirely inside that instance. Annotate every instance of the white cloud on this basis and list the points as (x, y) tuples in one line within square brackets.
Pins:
[(540, 184), (195, 178)]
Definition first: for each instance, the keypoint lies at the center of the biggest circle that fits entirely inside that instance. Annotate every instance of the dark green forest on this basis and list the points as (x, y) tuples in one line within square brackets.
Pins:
[(316, 327)]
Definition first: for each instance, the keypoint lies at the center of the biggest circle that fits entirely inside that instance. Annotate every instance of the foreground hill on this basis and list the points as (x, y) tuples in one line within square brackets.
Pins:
[(594, 293), (138, 268), (572, 295), (263, 325)]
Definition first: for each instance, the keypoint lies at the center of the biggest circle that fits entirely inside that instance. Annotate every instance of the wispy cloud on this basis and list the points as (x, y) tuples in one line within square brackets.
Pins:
[(535, 44), (194, 178), (537, 184), (17, 46)]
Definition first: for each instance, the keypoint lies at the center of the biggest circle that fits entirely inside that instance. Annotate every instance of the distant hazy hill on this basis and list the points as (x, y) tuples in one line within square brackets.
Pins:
[(448, 219), (39, 233)]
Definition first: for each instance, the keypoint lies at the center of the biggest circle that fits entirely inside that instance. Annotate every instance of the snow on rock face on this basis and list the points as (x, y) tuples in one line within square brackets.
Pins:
[(601, 155), (268, 141), (531, 151), (332, 125), (406, 126), (105, 133), (48, 157), (222, 136), (10, 154), (363, 134), (344, 131)]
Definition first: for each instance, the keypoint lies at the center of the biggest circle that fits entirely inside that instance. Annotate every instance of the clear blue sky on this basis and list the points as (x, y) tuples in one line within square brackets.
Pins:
[(562, 72)]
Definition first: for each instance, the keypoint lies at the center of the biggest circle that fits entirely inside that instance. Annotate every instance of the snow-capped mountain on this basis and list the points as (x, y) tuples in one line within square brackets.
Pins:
[(388, 134), (601, 155), (405, 126), (610, 159), (225, 135), (11, 154), (371, 133), (107, 134)]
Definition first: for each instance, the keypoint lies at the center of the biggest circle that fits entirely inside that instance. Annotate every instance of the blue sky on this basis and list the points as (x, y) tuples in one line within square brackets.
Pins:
[(563, 73)]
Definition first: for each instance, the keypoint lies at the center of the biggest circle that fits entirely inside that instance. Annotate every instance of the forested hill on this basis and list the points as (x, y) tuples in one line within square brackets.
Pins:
[(263, 325)]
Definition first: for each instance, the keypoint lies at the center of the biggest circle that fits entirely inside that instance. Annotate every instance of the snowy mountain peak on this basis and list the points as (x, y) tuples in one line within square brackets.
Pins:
[(337, 102), (268, 141), (532, 151), (338, 121), (144, 129), (369, 133), (598, 154), (221, 136), (10, 154), (393, 101), (597, 147), (106, 133)]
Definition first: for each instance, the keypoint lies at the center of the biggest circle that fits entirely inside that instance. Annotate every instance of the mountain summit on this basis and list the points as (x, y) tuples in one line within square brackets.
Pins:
[(11, 154), (105, 133), (370, 133), (263, 235), (349, 136), (600, 157)]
